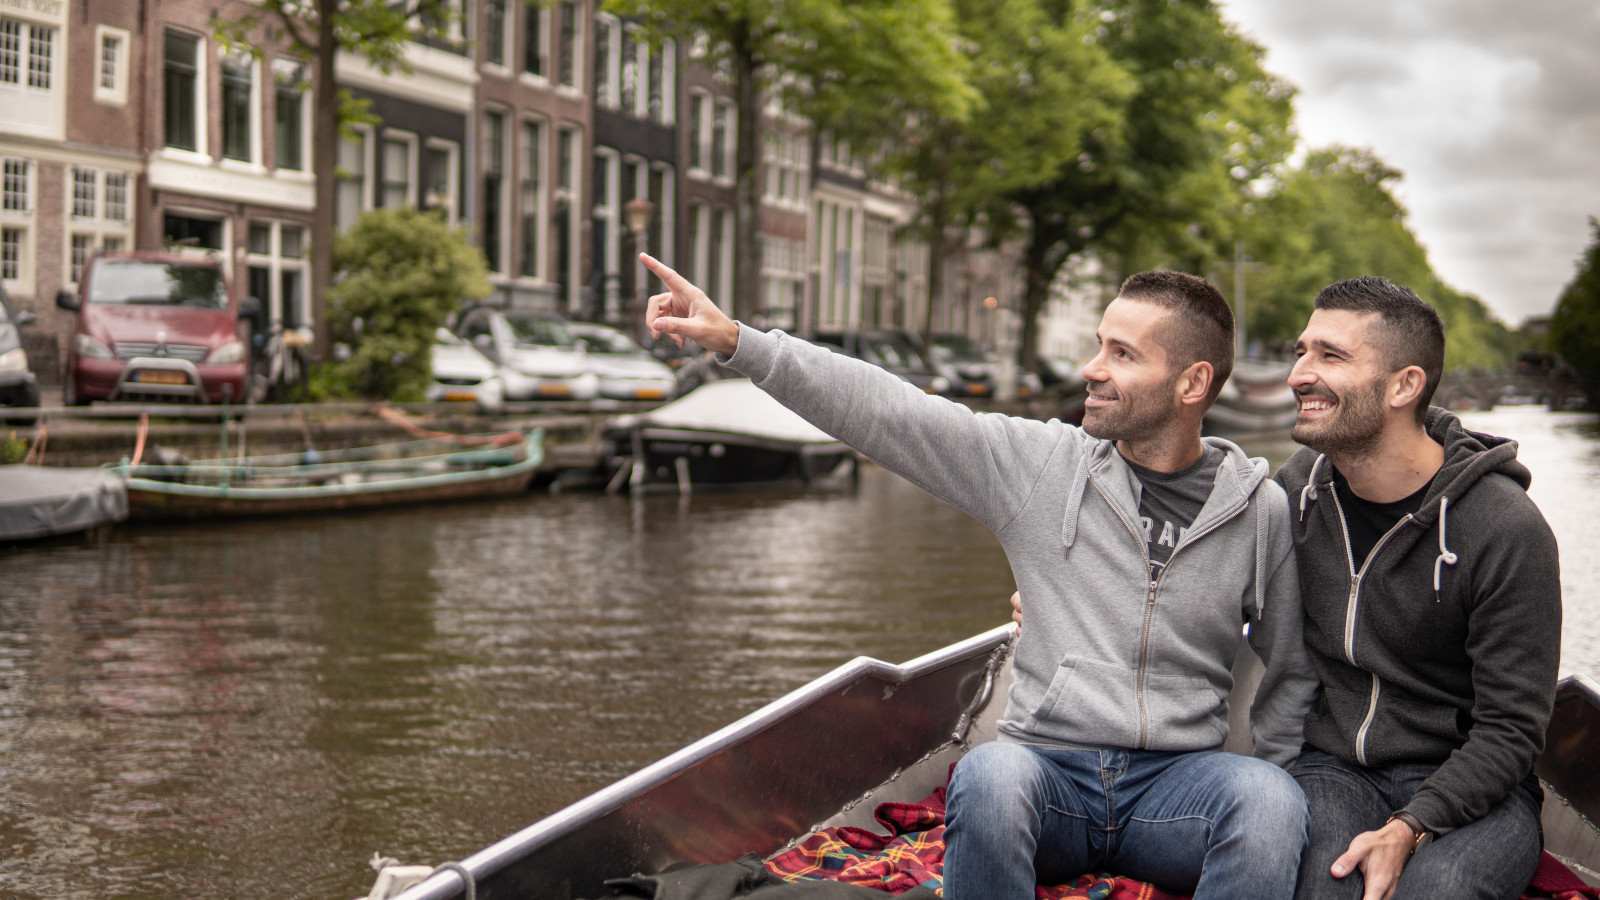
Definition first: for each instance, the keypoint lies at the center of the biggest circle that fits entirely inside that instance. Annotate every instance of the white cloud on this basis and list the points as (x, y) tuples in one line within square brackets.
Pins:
[(1490, 109)]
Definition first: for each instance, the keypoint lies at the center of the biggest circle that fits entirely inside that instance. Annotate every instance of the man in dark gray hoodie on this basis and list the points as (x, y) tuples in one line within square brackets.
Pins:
[(1143, 549), (1433, 615)]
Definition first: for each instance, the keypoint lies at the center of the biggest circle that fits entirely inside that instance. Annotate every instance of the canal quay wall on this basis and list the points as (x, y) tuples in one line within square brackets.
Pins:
[(109, 433)]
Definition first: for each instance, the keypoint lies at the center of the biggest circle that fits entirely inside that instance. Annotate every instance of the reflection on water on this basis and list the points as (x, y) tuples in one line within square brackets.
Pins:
[(252, 710)]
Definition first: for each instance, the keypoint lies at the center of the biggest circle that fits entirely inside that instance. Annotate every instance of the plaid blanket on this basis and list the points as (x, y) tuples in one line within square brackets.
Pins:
[(910, 853)]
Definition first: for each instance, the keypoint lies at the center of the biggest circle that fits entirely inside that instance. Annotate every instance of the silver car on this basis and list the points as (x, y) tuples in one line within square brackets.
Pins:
[(626, 370), (539, 359)]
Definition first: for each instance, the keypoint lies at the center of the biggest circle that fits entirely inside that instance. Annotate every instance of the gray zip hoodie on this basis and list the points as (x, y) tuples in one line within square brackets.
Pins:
[(1109, 658)]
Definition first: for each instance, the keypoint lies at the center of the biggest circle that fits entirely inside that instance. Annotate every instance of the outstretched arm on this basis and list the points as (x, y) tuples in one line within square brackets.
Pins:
[(984, 464)]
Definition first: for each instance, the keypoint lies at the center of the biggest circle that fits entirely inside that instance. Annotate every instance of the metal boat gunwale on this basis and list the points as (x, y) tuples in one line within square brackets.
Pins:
[(565, 821)]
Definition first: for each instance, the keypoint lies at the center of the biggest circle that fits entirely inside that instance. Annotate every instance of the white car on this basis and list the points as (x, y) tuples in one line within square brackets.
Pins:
[(462, 373), (539, 359), (626, 370)]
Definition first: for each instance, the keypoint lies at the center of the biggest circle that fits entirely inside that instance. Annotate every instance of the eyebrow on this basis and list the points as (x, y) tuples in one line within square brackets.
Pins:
[(1325, 344)]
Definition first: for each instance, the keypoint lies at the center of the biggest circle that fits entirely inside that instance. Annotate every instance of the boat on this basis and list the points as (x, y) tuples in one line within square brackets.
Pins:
[(1255, 399), (421, 471), (47, 501), (828, 753), (723, 433)]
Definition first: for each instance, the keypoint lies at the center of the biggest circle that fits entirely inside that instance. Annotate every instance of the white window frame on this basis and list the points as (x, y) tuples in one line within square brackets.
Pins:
[(508, 122), (700, 138), (668, 207), (275, 262), (452, 199), (364, 134), (541, 219), (542, 79), (580, 42), (669, 76), (730, 143), (612, 97), (307, 105), (97, 227), (413, 163), (22, 220), (611, 210), (253, 164), (202, 146), (571, 133), (508, 30), (117, 94)]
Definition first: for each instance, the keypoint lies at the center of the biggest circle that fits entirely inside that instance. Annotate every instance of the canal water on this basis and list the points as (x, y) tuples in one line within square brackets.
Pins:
[(253, 710)]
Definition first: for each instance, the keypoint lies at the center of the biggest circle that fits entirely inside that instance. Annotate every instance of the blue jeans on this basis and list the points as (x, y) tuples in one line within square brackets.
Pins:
[(1490, 859), (1211, 824)]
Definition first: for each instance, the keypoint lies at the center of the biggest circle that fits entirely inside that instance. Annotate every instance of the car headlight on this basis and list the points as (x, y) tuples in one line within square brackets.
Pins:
[(88, 346), (940, 384), (14, 360), (231, 352)]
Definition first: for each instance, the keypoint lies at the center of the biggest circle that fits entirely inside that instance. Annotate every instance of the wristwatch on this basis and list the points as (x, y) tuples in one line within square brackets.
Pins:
[(1422, 834)]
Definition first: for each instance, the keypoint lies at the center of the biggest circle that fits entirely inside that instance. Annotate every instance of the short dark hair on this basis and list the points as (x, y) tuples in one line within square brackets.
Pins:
[(1202, 323), (1413, 334)]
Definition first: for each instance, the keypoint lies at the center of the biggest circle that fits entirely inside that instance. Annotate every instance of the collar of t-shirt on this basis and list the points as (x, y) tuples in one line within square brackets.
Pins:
[(1169, 502), (1368, 521)]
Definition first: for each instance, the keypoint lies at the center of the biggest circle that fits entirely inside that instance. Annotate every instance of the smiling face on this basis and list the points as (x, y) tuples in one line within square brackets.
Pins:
[(1130, 380), (1341, 377)]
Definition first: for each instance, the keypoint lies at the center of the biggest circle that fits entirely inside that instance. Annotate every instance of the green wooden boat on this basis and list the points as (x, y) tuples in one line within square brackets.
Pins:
[(422, 471)]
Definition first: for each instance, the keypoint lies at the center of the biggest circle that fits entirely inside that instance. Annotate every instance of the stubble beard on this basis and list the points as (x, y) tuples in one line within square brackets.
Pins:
[(1134, 418), (1353, 431)]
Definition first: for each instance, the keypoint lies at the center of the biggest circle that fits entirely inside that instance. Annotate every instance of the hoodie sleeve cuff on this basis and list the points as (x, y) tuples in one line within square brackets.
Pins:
[(754, 355), (1430, 810)]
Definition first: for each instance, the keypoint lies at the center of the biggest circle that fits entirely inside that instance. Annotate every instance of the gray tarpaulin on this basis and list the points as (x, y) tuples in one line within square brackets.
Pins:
[(37, 501)]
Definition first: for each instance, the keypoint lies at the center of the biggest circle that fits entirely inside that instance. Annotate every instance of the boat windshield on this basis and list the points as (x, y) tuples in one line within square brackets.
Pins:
[(157, 283), (536, 331), (614, 343)]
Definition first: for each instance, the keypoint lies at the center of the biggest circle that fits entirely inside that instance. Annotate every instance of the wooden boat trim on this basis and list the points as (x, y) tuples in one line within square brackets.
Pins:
[(567, 821)]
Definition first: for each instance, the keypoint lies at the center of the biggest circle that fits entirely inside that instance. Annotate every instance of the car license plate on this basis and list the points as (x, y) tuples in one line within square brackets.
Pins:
[(977, 390), (157, 376), (554, 390), (649, 393), (460, 395)]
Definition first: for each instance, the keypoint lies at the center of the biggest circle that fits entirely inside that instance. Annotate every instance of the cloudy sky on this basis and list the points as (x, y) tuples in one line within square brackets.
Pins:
[(1490, 108)]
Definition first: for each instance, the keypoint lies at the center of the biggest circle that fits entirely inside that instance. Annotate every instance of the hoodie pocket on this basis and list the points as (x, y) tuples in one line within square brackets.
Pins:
[(1186, 713), (1089, 703)]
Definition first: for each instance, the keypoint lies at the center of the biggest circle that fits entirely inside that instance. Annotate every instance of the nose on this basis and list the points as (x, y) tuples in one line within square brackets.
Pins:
[(1302, 375), (1095, 368)]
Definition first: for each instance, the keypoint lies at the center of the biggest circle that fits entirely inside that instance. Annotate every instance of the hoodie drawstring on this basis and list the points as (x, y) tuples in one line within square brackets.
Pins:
[(1310, 490), (1445, 558)]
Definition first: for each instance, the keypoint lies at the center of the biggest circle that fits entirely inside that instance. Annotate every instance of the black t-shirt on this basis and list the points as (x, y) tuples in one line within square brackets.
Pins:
[(1367, 521), (1169, 501)]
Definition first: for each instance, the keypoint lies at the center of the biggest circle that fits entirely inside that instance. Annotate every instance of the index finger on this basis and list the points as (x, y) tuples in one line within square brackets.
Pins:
[(665, 273)]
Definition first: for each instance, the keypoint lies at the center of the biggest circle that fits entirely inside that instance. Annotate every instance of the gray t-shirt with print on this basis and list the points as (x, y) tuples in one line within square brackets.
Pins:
[(1169, 501)]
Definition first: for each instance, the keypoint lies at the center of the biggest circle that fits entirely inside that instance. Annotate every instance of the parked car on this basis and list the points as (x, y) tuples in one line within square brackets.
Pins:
[(18, 387), (626, 370), (890, 349), (537, 355), (970, 371), (154, 326), (461, 372)]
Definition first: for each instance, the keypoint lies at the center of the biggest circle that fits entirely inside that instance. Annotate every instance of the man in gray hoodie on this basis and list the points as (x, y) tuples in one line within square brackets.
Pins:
[(1143, 549), (1433, 616)]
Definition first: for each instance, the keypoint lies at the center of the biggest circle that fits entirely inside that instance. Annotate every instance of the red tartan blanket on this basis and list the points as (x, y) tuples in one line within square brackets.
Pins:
[(910, 853)]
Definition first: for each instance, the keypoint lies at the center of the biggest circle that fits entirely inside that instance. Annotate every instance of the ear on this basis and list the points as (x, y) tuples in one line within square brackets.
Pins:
[(1194, 383), (1406, 385)]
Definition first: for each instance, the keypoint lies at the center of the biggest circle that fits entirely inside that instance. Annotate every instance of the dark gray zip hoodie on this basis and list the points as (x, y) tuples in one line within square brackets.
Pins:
[(1443, 645), (1109, 658)]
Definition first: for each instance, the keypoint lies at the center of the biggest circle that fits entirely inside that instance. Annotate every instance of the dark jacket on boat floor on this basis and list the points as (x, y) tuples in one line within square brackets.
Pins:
[(1443, 645), (744, 878)]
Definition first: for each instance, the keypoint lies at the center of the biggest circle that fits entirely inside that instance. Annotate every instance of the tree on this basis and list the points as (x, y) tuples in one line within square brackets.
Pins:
[(1575, 327), (1041, 85), (401, 273), (857, 69), (1203, 120), (317, 30)]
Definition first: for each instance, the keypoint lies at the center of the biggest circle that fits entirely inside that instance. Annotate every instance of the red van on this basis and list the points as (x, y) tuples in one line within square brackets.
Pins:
[(154, 326)]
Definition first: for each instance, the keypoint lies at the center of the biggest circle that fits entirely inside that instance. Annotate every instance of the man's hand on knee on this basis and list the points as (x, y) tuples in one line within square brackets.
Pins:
[(1381, 856)]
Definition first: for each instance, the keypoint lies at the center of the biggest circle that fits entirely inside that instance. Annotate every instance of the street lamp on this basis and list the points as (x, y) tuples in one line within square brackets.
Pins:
[(638, 212)]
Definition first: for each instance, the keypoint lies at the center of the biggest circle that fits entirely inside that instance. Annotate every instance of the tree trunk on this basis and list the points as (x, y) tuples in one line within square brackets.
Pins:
[(1041, 260), (938, 221), (324, 162), (747, 213)]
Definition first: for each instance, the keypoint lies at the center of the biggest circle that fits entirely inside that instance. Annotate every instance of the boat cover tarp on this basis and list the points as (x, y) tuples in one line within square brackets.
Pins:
[(39, 501), (732, 406), (910, 854)]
